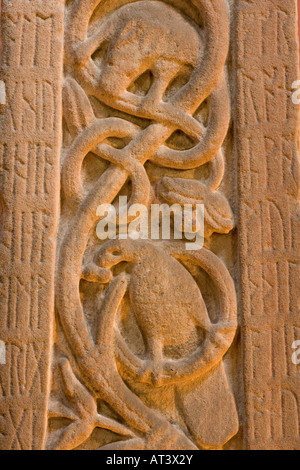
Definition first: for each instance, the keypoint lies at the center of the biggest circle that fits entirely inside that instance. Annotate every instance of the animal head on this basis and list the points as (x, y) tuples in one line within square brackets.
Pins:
[(147, 36), (116, 251)]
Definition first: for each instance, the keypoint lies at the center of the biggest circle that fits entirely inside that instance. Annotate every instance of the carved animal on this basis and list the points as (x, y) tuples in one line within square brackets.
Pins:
[(164, 297), (142, 36)]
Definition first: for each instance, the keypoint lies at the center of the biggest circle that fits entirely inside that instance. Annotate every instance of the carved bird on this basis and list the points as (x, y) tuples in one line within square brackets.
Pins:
[(164, 297), (169, 306)]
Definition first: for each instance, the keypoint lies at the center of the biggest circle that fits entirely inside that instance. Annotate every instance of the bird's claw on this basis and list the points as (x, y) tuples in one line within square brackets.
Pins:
[(151, 373)]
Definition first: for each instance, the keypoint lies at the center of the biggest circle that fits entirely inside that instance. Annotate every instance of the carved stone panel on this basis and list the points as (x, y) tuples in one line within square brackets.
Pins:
[(178, 338), (146, 112), (30, 137), (269, 214)]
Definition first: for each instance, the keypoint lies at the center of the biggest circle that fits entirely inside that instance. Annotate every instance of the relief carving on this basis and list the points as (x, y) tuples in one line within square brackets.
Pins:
[(268, 195), (30, 140), (133, 342), (146, 106)]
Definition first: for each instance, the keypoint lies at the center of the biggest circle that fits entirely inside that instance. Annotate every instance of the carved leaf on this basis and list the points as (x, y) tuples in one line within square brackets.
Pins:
[(132, 444), (72, 436), (78, 111), (83, 403), (82, 410)]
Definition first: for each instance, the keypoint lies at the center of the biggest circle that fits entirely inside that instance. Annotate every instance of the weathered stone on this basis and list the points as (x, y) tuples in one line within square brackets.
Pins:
[(158, 343), (31, 62)]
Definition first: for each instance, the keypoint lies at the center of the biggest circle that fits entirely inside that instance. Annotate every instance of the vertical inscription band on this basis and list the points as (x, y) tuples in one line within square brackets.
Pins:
[(268, 173), (30, 135)]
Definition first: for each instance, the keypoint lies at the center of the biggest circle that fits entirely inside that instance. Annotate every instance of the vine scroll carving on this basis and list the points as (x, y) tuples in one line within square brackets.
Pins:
[(145, 90)]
